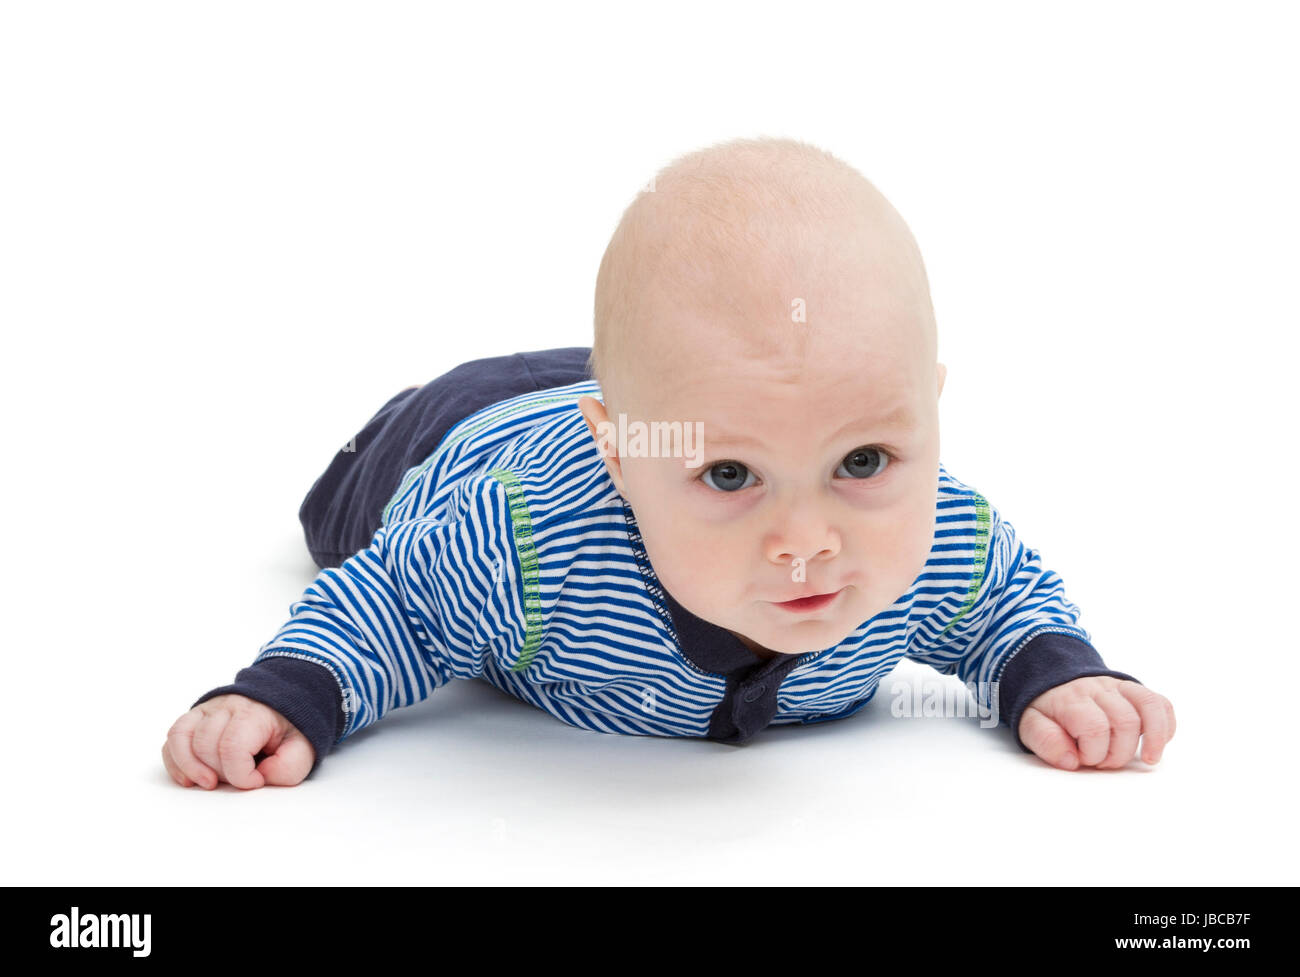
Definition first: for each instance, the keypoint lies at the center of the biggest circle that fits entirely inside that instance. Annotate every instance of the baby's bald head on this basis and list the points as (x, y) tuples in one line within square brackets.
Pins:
[(755, 250)]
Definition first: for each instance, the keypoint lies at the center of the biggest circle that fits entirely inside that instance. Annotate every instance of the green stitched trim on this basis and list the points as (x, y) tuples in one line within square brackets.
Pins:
[(523, 526), (423, 467), (981, 554)]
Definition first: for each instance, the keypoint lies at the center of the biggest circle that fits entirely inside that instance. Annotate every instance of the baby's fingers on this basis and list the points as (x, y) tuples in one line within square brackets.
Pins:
[(206, 741), (1047, 739), (241, 740), (178, 753), (173, 771), (1089, 724), (290, 762), (1125, 728), (1157, 718)]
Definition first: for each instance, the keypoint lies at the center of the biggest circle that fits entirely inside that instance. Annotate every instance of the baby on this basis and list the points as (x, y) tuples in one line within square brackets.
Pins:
[(731, 514)]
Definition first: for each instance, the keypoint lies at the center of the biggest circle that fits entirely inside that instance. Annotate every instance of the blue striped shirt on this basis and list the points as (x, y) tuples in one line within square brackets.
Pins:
[(509, 556)]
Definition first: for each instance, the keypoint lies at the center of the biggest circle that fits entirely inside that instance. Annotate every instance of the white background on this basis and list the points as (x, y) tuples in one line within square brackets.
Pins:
[(231, 231)]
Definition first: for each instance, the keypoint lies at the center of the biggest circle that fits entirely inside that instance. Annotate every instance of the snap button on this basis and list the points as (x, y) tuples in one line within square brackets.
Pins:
[(752, 695)]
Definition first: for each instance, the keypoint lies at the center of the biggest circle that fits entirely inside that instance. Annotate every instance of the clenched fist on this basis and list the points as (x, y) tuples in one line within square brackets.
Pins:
[(1096, 721), (221, 739)]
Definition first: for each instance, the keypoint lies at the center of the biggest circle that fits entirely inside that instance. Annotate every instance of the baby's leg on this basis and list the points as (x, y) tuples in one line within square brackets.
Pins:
[(345, 506), (337, 511)]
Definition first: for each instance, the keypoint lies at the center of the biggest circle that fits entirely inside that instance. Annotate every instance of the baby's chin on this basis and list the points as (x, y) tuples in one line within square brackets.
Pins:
[(799, 637)]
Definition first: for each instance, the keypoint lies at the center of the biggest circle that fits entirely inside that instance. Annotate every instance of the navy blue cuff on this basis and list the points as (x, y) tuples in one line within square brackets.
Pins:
[(1048, 660), (303, 692)]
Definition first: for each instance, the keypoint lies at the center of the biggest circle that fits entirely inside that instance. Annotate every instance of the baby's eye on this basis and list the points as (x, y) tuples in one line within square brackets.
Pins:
[(731, 474), (864, 462)]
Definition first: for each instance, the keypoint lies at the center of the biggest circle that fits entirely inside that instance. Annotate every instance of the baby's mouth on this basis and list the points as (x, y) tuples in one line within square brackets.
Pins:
[(813, 603)]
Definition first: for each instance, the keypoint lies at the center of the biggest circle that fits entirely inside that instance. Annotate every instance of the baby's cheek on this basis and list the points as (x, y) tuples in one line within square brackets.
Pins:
[(888, 538), (683, 565), (896, 551)]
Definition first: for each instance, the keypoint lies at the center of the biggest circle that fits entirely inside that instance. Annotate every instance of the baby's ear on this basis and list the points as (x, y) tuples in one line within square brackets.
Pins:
[(593, 411), (605, 434)]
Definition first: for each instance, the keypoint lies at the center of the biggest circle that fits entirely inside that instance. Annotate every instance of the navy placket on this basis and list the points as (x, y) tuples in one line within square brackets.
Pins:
[(749, 702)]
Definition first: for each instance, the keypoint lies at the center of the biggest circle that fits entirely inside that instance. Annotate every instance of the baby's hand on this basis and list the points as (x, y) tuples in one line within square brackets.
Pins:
[(220, 738), (1096, 721)]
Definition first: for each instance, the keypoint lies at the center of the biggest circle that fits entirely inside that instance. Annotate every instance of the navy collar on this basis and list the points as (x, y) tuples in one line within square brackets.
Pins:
[(713, 648)]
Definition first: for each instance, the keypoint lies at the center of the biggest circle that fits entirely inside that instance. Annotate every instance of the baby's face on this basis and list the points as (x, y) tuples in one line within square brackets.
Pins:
[(819, 475)]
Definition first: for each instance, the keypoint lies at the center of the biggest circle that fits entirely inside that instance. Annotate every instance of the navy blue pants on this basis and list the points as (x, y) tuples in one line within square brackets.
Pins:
[(343, 510)]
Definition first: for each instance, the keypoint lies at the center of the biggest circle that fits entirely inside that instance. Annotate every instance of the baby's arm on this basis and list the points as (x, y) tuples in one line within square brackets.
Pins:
[(1017, 637), (426, 602)]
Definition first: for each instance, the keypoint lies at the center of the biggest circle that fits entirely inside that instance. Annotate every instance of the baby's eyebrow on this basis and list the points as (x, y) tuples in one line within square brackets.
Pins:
[(899, 419)]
